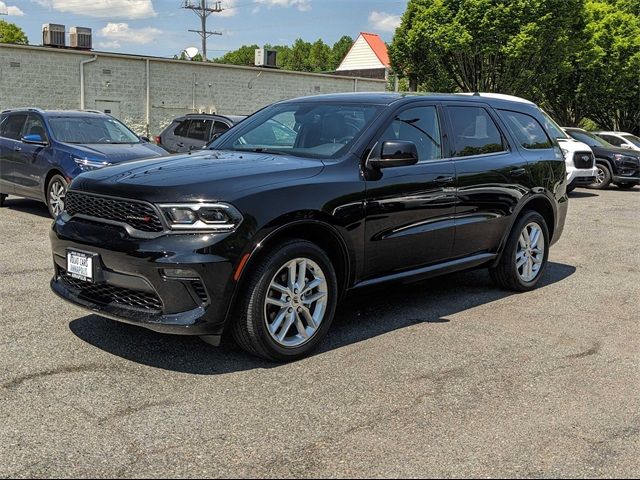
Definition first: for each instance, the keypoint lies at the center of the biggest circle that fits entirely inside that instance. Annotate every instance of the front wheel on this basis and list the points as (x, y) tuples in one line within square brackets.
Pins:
[(603, 177), (56, 192), (288, 303), (525, 255)]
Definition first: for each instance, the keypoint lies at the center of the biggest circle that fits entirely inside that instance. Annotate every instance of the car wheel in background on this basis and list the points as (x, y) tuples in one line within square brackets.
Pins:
[(288, 303), (570, 188), (3, 197), (603, 177), (626, 186), (56, 192), (525, 255)]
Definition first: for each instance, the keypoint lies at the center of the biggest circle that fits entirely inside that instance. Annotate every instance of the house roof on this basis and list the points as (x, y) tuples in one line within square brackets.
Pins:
[(378, 46)]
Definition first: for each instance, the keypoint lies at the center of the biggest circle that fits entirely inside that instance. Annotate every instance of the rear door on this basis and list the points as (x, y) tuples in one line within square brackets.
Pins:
[(174, 139), (492, 177), (198, 134), (410, 210), (10, 150)]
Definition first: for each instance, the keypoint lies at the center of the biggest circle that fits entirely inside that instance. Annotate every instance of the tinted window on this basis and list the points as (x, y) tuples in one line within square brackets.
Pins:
[(633, 139), (553, 127), (182, 129), (219, 127), (12, 127), (527, 130), (588, 138), (34, 126), (199, 129), (612, 140), (311, 130), (474, 132), (418, 125)]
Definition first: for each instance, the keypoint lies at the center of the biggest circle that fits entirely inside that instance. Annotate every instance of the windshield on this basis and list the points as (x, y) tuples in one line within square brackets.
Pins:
[(310, 130), (589, 138), (632, 138), (552, 127), (91, 130)]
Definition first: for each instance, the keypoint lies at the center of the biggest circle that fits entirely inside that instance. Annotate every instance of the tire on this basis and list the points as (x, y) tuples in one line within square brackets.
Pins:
[(570, 188), (626, 186), (3, 197), (506, 273), (56, 191), (258, 323), (603, 177)]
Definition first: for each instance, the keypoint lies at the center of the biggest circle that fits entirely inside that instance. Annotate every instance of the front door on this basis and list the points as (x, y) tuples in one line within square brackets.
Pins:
[(410, 209), (31, 167), (10, 150)]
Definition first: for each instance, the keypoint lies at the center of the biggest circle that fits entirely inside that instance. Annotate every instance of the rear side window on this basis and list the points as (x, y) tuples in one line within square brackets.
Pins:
[(527, 130), (12, 126), (199, 130), (612, 140), (219, 127), (182, 128), (474, 132)]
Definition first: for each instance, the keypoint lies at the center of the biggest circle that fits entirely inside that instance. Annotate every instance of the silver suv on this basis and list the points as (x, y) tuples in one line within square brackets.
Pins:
[(194, 131)]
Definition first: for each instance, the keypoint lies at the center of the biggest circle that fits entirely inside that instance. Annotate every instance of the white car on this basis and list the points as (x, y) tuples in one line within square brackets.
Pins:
[(620, 139), (578, 156)]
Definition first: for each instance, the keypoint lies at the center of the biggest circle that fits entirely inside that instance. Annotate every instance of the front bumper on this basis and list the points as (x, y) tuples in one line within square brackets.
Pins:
[(621, 179), (575, 175), (130, 284)]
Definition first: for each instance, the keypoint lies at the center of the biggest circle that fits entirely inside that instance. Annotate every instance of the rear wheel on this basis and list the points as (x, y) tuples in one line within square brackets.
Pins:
[(56, 192), (525, 256), (603, 177), (626, 186), (288, 303), (3, 197)]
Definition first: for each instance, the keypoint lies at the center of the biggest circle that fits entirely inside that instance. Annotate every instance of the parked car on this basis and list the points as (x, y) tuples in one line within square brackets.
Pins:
[(619, 166), (620, 139), (264, 233), (194, 131), (42, 151)]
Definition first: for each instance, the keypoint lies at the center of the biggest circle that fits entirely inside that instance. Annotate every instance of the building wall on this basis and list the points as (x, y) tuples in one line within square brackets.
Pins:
[(50, 79), (361, 57)]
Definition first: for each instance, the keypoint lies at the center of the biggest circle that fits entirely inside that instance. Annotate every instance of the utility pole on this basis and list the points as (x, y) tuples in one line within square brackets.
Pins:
[(202, 9)]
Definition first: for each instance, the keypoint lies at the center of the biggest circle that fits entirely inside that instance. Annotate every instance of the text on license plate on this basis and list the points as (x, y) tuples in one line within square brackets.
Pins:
[(80, 265)]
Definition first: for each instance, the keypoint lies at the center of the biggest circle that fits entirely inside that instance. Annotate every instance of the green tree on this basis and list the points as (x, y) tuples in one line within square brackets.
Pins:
[(320, 57), (10, 33), (339, 51), (245, 55), (509, 46)]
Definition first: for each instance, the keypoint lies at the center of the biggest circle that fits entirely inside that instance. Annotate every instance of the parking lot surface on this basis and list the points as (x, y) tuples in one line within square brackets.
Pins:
[(452, 377)]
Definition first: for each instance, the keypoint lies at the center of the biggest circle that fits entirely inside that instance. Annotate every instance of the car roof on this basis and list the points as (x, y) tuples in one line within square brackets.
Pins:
[(57, 113), (204, 116), (611, 133)]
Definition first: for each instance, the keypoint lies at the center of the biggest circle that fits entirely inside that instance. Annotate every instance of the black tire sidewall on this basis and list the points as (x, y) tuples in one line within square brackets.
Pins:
[(55, 178), (512, 248), (260, 286)]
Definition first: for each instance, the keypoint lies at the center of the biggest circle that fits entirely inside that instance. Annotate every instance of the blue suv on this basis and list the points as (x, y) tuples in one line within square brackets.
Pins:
[(42, 151)]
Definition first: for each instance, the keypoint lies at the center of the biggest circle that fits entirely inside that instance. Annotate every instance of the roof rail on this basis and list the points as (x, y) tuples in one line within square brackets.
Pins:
[(23, 109), (90, 110)]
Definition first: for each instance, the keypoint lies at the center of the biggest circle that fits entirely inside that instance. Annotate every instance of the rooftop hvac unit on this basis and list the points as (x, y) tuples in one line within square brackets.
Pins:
[(53, 35), (266, 58), (81, 38)]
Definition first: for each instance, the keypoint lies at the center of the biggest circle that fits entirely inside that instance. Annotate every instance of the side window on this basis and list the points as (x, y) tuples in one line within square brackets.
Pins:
[(527, 130), (421, 126), (199, 130), (612, 140), (219, 127), (182, 128), (12, 127), (474, 132), (34, 126)]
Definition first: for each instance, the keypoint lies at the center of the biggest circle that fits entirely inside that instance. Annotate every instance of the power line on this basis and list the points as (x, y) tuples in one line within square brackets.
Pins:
[(203, 10)]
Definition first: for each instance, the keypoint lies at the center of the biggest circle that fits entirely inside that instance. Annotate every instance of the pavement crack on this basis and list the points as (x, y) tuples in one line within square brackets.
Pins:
[(16, 382), (586, 353)]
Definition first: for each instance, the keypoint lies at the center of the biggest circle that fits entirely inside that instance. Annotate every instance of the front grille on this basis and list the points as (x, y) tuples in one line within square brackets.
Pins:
[(105, 294), (583, 159), (138, 215)]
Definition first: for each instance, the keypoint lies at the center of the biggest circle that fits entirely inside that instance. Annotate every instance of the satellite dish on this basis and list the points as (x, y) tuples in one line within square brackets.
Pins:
[(191, 52)]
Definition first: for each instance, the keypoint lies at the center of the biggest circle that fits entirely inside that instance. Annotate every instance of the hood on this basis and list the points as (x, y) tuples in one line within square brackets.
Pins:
[(114, 153), (573, 145), (205, 175), (615, 150)]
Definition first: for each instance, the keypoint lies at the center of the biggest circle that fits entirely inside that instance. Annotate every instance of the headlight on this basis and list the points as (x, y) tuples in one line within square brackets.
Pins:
[(88, 165), (619, 158), (213, 217), (565, 153)]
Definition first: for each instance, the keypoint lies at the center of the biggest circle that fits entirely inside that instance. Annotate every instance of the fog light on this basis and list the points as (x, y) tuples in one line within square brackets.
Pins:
[(181, 273)]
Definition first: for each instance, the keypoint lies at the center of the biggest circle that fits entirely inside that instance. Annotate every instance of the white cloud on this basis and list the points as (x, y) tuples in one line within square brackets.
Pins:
[(229, 8), (118, 33), (129, 9), (114, 45), (10, 10), (302, 5), (385, 22)]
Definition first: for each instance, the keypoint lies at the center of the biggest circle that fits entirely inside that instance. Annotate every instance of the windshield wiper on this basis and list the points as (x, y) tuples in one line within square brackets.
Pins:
[(260, 150)]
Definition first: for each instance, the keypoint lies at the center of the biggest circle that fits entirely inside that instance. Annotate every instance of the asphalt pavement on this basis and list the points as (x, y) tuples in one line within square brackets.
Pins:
[(451, 377)]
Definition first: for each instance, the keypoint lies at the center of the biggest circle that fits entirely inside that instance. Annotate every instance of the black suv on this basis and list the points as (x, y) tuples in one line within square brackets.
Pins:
[(263, 234), (619, 166)]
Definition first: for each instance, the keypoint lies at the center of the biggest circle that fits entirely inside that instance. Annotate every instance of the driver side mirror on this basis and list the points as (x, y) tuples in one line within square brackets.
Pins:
[(396, 153), (34, 139)]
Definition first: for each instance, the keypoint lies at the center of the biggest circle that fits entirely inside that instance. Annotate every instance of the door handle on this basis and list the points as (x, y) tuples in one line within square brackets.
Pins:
[(518, 172), (17, 149), (444, 180)]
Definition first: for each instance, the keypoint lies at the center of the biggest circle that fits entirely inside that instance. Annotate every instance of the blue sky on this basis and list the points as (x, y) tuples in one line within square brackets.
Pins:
[(159, 27)]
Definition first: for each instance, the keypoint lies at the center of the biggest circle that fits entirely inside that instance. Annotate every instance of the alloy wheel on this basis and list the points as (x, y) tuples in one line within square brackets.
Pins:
[(296, 302), (57, 192), (600, 176), (530, 252)]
